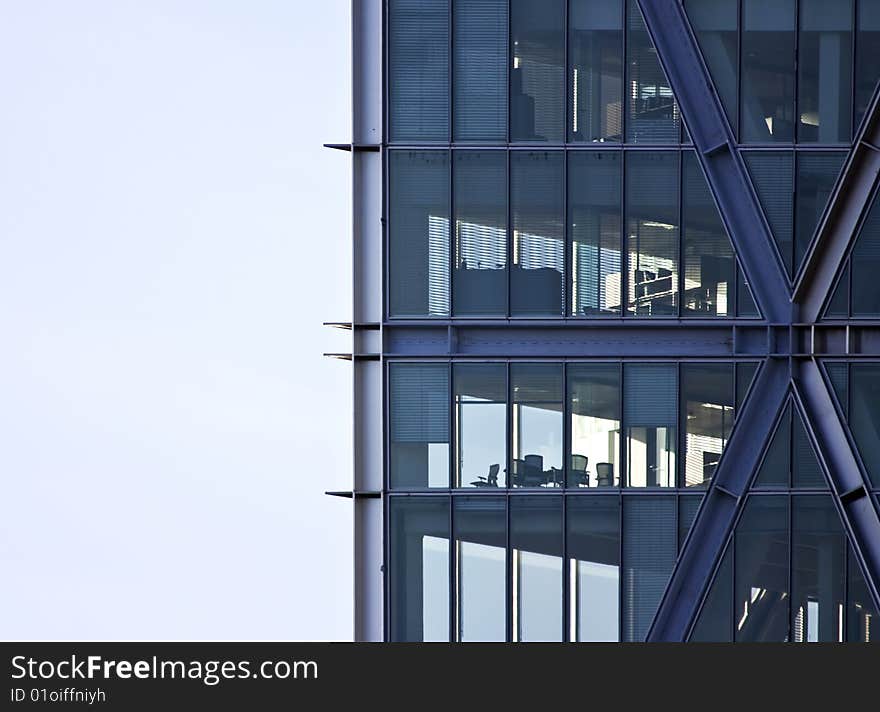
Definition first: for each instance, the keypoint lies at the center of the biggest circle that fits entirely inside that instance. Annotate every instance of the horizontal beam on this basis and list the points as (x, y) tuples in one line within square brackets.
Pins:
[(840, 222), (704, 544)]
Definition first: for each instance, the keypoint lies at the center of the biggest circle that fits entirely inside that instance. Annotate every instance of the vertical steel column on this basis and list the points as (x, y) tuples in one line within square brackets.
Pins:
[(367, 291)]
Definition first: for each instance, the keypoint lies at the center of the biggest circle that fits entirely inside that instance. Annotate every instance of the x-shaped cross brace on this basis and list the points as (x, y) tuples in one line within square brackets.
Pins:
[(787, 371)]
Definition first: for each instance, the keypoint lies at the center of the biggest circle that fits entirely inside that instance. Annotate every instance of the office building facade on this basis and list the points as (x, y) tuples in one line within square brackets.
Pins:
[(616, 322)]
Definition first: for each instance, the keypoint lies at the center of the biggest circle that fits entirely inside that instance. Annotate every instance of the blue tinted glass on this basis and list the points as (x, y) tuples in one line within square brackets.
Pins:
[(418, 70), (825, 71), (595, 75), (418, 245), (537, 191), (768, 76), (419, 562), (479, 70), (537, 75)]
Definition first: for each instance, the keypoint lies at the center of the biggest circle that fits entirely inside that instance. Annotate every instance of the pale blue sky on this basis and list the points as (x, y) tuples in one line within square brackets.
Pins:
[(172, 235)]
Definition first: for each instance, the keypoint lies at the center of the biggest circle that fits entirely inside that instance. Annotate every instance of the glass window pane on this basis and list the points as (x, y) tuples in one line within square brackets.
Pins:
[(594, 568), (817, 571), (650, 402), (866, 266), (418, 70), (538, 206), (479, 71), (480, 424), (480, 199), (767, 101), (715, 623), (863, 621), (838, 305), (745, 303), (419, 562), (537, 78), (709, 266), (825, 71), (536, 425), (745, 373), (687, 511), (652, 114), (481, 568), (776, 466), (867, 55), (652, 233), (595, 47), (816, 175), (772, 173), (536, 541), (838, 374), (707, 412), (418, 411), (805, 470), (594, 403), (715, 24), (761, 553), (864, 414), (418, 260), (594, 209), (650, 543)]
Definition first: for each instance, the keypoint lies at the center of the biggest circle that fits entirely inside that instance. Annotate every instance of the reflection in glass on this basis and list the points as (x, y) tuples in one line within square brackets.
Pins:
[(419, 233), (650, 403), (594, 404), (652, 233), (825, 71), (480, 199), (761, 578), (418, 411), (652, 114), (481, 568), (776, 468), (709, 266), (817, 571), (649, 551), (864, 414), (480, 424), (594, 223), (536, 542), (768, 77), (479, 70), (419, 561), (595, 75), (537, 78), (715, 624), (707, 405), (772, 173), (418, 70), (867, 55), (536, 186), (866, 266), (593, 525), (863, 621), (536, 425), (715, 24), (816, 175)]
